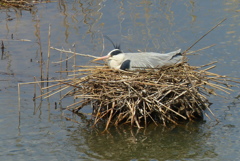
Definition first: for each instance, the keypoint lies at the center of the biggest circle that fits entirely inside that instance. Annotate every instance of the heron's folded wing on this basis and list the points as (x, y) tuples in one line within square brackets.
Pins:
[(151, 59)]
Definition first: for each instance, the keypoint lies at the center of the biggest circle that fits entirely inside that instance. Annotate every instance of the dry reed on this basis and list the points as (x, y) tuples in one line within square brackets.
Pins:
[(167, 95), (27, 5), (20, 4)]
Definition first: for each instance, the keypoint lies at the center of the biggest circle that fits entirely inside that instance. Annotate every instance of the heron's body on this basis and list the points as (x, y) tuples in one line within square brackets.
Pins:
[(142, 60), (133, 61)]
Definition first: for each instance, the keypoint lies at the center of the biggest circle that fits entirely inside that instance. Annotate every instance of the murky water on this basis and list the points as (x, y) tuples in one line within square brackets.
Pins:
[(40, 132)]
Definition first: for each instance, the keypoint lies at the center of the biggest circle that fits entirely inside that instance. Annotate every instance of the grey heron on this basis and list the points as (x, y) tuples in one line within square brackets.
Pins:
[(117, 59)]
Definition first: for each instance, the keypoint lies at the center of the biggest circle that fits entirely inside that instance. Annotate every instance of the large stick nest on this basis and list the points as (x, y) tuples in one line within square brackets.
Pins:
[(166, 95)]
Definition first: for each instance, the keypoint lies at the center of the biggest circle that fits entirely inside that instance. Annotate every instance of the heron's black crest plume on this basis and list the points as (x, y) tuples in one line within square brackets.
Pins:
[(116, 46)]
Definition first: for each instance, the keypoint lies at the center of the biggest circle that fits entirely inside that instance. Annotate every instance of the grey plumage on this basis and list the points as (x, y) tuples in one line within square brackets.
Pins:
[(133, 61)]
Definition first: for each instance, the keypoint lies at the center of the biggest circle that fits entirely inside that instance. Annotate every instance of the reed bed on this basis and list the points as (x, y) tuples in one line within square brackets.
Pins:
[(19, 4), (16, 4), (169, 95)]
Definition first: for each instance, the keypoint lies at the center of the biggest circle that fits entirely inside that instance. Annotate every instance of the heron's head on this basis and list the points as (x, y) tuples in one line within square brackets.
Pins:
[(115, 57)]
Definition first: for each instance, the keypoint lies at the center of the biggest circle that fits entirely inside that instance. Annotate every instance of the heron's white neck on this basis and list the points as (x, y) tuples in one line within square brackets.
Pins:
[(116, 61)]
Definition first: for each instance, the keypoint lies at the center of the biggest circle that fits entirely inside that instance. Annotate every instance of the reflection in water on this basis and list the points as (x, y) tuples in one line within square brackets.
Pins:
[(151, 22), (63, 9), (186, 142), (147, 25), (80, 15), (2, 49), (190, 8), (11, 30)]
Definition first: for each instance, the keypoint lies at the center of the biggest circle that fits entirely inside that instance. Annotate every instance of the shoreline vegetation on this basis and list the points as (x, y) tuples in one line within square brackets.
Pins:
[(20, 4)]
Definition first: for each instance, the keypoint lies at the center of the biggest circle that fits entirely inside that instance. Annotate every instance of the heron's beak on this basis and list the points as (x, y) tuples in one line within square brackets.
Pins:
[(101, 58)]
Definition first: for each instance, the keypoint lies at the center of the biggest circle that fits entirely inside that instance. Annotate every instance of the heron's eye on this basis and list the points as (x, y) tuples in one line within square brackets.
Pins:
[(115, 52)]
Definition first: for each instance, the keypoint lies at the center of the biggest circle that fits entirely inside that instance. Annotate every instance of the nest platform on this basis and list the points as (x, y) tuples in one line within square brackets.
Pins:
[(167, 95)]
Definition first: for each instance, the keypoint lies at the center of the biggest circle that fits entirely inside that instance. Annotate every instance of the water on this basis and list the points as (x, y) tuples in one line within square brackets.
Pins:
[(40, 132)]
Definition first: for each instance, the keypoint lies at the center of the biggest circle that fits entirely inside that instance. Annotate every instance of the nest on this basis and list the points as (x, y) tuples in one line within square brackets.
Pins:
[(167, 95)]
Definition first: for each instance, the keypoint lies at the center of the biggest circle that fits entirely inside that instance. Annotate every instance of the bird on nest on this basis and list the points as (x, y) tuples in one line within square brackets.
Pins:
[(117, 59)]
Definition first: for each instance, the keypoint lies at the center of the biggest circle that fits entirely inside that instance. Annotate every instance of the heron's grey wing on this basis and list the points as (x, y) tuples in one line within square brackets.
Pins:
[(136, 61), (152, 60), (173, 57)]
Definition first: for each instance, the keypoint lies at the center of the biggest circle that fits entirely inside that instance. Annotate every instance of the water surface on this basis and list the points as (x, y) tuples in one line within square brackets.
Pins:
[(41, 133)]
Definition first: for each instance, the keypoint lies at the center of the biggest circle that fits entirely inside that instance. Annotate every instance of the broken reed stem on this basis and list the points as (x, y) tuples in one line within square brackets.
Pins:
[(38, 35), (66, 64), (204, 35), (48, 57), (72, 52), (35, 92), (19, 99), (191, 52), (74, 61), (40, 87)]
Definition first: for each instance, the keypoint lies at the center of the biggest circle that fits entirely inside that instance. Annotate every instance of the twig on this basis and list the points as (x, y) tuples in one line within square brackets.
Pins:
[(204, 36), (71, 52)]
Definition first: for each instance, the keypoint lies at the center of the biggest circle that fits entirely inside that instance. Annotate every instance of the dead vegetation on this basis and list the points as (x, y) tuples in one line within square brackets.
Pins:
[(167, 95), (19, 4)]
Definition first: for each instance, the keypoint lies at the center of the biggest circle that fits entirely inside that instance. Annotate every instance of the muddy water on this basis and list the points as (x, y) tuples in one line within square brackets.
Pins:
[(39, 132)]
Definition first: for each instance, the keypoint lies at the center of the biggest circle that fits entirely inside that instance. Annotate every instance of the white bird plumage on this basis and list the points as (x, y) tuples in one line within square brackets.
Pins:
[(132, 61)]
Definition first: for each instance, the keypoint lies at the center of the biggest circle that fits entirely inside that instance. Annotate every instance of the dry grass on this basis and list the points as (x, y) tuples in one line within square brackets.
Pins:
[(19, 4), (168, 95)]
